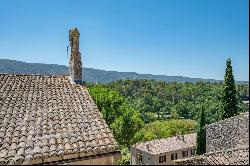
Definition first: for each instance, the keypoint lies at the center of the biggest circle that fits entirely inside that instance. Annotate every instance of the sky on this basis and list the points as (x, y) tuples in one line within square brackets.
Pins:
[(191, 38)]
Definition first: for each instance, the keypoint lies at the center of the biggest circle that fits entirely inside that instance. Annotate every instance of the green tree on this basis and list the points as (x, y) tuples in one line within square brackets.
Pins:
[(229, 95), (158, 100), (174, 114), (108, 102), (125, 160), (201, 135), (125, 126), (163, 129)]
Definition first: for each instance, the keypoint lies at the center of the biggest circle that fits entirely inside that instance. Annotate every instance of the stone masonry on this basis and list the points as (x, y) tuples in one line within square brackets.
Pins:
[(228, 133), (239, 156), (75, 63), (227, 143)]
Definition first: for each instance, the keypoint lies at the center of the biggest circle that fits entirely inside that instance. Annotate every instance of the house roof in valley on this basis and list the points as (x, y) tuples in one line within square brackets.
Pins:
[(159, 146), (236, 156), (49, 118), (246, 101)]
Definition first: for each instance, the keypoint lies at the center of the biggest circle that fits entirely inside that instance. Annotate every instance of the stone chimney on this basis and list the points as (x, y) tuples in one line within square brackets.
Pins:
[(75, 63)]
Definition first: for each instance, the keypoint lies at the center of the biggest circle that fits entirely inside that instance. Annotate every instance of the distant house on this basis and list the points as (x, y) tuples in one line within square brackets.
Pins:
[(246, 102), (227, 143), (163, 151), (53, 119)]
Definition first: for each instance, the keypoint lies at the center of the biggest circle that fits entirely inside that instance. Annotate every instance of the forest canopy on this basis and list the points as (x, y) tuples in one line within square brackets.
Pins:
[(142, 110), (159, 100)]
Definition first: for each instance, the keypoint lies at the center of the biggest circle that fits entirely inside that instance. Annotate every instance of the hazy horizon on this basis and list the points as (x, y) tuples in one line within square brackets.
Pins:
[(127, 71), (161, 37)]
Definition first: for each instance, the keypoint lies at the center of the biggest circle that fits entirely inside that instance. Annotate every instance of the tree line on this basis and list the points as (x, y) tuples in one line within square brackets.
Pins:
[(142, 110)]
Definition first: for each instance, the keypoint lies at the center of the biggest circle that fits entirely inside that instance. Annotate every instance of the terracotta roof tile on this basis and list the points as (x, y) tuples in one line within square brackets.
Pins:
[(49, 116), (164, 145), (235, 156)]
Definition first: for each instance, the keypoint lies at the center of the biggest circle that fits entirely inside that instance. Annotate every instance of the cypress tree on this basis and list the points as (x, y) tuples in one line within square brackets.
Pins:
[(229, 95), (201, 135)]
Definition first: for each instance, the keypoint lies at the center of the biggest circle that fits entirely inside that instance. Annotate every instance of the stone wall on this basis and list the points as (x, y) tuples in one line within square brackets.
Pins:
[(228, 133), (102, 159), (198, 160)]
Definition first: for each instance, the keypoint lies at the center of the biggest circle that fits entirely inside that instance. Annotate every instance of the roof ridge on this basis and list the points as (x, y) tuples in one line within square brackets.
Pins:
[(224, 120), (200, 157), (171, 137), (32, 74)]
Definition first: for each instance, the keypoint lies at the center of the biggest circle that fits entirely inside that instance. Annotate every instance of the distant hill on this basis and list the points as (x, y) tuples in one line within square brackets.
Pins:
[(89, 74)]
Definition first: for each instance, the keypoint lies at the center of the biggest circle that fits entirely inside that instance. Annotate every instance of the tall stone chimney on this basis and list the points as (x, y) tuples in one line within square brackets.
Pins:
[(75, 63)]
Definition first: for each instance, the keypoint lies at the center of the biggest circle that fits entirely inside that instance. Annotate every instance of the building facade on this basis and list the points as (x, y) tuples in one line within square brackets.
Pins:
[(163, 151)]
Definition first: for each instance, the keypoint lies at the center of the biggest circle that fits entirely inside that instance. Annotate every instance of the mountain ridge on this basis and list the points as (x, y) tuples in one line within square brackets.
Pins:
[(90, 74)]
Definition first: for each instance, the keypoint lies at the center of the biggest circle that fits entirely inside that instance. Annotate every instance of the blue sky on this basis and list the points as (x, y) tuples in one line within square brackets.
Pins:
[(190, 38)]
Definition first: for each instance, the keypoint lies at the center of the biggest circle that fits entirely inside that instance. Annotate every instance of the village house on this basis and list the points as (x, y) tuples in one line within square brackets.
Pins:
[(227, 143), (163, 151), (52, 119)]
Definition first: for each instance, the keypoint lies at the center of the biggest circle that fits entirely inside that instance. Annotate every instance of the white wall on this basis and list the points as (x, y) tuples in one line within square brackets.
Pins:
[(153, 159)]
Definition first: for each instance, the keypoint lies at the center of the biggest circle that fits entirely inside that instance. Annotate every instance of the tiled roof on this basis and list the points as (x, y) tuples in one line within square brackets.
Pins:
[(49, 118), (237, 156), (243, 115), (229, 133), (159, 146)]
